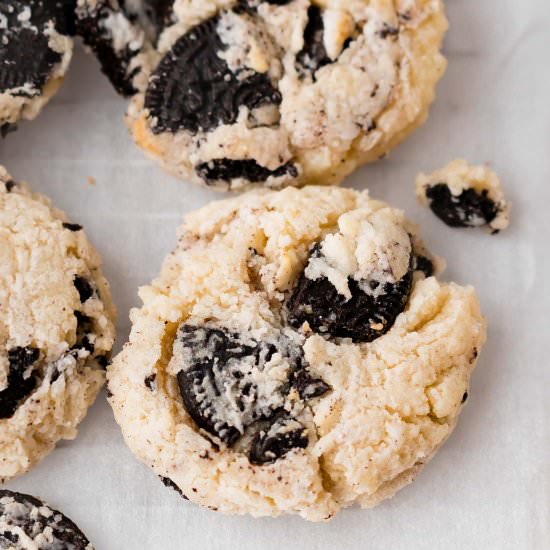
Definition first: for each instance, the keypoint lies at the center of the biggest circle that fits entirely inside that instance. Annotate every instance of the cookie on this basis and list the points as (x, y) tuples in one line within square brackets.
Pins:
[(461, 195), (297, 354), (27, 522), (277, 93), (56, 327), (35, 51)]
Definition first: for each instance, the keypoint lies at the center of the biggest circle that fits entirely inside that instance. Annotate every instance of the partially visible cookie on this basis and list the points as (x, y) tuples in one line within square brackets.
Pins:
[(27, 523), (297, 354), (35, 50), (276, 93), (465, 196), (56, 327)]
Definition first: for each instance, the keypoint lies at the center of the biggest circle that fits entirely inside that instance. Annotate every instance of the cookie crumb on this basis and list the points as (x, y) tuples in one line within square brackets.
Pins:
[(462, 195)]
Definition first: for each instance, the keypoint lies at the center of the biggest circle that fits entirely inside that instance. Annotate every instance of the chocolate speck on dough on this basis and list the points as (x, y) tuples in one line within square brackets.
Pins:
[(150, 381), (72, 226), (170, 484)]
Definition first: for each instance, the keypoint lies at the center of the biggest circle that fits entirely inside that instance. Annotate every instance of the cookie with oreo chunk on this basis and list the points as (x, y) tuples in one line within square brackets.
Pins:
[(36, 47), (56, 327), (461, 195), (291, 338), (284, 93), (26, 521)]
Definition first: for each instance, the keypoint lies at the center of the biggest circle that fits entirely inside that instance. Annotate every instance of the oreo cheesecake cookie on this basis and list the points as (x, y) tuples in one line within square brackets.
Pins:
[(56, 327), (36, 47), (274, 93), (461, 195), (297, 354), (28, 523)]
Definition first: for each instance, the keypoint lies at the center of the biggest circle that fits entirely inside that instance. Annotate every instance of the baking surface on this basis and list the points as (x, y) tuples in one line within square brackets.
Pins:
[(489, 486)]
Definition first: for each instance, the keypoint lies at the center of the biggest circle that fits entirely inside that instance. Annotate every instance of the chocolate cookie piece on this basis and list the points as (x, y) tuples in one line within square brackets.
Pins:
[(20, 382), (313, 55), (283, 435), (194, 89), (469, 209), (368, 314), (228, 384), (225, 170), (42, 527), (116, 41), (152, 15)]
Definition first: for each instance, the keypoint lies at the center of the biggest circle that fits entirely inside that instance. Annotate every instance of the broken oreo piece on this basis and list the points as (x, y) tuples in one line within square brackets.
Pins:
[(114, 38), (284, 435), (193, 89), (313, 55), (423, 264), (226, 170), (367, 315), (469, 209), (84, 332), (84, 288), (20, 384), (227, 388), (29, 522), (167, 482)]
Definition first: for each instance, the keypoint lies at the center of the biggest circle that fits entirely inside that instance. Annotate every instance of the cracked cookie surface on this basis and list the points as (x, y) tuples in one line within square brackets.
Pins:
[(285, 93), (250, 397), (56, 327)]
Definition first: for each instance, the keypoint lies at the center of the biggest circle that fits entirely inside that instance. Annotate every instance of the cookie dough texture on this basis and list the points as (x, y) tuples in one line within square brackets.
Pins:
[(35, 52), (376, 412), (27, 523), (468, 196), (286, 93), (56, 327)]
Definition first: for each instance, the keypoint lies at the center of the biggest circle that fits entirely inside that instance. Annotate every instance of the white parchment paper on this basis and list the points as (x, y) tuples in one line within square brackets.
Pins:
[(489, 487)]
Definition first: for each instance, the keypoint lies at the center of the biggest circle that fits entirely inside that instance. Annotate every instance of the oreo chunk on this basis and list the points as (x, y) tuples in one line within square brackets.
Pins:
[(115, 40), (368, 314), (40, 525), (84, 288), (84, 332), (469, 209), (193, 89), (423, 264), (152, 15), (20, 383), (26, 59), (313, 55), (284, 435), (218, 381), (226, 170)]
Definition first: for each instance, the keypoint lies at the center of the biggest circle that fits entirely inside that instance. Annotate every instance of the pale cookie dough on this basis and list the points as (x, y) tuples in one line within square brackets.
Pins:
[(465, 196), (56, 327), (287, 92), (295, 355), (27, 523), (35, 51)]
